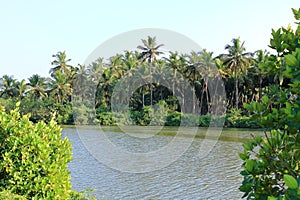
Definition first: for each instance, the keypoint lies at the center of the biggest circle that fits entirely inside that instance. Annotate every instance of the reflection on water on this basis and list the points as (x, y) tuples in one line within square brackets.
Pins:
[(214, 177)]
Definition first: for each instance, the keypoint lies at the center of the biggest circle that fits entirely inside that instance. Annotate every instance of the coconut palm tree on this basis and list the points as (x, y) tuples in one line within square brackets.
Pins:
[(237, 60), (207, 64), (80, 84), (115, 62), (193, 73), (96, 69), (21, 88), (177, 63), (37, 86), (130, 60), (260, 61), (8, 86), (149, 50), (149, 53), (60, 63), (61, 89)]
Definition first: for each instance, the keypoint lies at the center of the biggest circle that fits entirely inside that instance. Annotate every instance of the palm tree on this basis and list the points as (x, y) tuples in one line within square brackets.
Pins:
[(177, 63), (237, 60), (115, 63), (61, 88), (207, 63), (96, 69), (130, 60), (261, 59), (37, 86), (192, 71), (60, 63), (150, 52), (8, 86), (21, 88), (80, 84)]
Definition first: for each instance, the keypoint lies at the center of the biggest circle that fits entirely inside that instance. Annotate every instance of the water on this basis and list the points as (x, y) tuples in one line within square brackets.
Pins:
[(215, 176)]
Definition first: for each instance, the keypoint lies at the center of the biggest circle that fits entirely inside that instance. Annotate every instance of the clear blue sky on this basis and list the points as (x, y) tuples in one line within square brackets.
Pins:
[(31, 31)]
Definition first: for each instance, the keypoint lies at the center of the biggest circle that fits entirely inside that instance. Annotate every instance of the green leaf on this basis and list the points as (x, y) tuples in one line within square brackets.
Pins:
[(290, 181), (244, 173), (243, 156), (249, 165), (265, 99), (258, 139), (290, 60)]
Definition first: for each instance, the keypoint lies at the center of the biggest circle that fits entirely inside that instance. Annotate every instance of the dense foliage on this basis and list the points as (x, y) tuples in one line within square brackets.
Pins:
[(34, 158), (68, 89), (271, 163)]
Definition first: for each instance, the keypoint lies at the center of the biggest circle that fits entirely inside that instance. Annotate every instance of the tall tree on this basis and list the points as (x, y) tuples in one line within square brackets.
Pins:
[(8, 86), (130, 60), (177, 63), (150, 51), (37, 86), (237, 60), (60, 63), (80, 84), (21, 88), (96, 69), (192, 71), (206, 70), (61, 88), (260, 61)]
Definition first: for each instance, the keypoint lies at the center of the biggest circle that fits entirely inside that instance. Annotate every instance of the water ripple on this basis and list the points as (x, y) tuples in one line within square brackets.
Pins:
[(213, 177)]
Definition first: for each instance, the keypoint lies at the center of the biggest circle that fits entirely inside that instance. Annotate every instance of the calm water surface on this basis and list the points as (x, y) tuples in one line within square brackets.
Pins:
[(214, 177)]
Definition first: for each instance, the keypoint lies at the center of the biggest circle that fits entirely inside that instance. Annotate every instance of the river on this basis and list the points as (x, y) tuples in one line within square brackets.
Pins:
[(216, 176)]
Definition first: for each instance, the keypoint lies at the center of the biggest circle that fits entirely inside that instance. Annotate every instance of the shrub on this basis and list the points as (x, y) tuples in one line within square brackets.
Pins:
[(34, 157), (173, 119), (235, 118), (8, 195), (105, 118), (83, 113), (271, 163), (204, 120)]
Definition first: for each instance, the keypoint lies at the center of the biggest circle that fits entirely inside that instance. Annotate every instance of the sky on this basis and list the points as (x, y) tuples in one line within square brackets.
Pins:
[(32, 31)]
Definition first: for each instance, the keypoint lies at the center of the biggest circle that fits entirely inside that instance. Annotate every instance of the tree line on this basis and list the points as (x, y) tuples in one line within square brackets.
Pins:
[(247, 77)]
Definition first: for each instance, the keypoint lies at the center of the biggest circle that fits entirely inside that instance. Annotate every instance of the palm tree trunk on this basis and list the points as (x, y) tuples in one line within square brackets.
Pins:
[(236, 89), (174, 81), (151, 89), (260, 88), (201, 100), (143, 98), (194, 100), (194, 93), (207, 97), (236, 94)]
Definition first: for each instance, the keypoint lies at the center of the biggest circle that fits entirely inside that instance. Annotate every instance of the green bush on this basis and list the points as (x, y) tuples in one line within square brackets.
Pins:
[(34, 158), (188, 119), (105, 118), (8, 195), (173, 119), (235, 118), (83, 113), (204, 120), (158, 113), (271, 163)]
